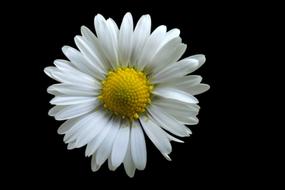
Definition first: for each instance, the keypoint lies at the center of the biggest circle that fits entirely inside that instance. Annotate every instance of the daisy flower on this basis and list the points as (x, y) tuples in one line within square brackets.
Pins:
[(122, 84)]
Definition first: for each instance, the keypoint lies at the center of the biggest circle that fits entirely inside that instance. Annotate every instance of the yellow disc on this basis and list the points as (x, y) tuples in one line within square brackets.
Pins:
[(126, 92)]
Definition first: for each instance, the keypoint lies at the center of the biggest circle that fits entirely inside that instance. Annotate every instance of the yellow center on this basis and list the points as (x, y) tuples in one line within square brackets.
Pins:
[(126, 92)]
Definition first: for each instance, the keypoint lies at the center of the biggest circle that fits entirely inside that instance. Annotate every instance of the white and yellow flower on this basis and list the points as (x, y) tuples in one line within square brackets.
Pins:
[(122, 83)]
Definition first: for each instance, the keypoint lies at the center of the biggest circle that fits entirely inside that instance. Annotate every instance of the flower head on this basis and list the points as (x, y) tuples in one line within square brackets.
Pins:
[(121, 84)]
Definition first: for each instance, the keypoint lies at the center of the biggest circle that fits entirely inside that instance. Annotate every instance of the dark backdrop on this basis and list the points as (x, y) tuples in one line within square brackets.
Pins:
[(211, 156)]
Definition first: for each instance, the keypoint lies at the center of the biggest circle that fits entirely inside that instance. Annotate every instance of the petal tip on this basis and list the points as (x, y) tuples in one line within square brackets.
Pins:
[(65, 49)]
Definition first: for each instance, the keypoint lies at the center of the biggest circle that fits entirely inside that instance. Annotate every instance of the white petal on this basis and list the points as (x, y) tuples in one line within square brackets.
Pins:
[(141, 33), (94, 166), (70, 100), (76, 110), (120, 145), (179, 69), (200, 57), (93, 43), (198, 89), (151, 46), (72, 77), (72, 90), (64, 65), (110, 165), (54, 110), (171, 34), (167, 122), (168, 104), (71, 145), (107, 37), (125, 39), (175, 94), (49, 70), (105, 148), (69, 124), (93, 128), (168, 54), (166, 156), (188, 80), (81, 63), (94, 64), (186, 118), (115, 28), (156, 135), (129, 164), (93, 145), (171, 138), (73, 127), (181, 113), (68, 69), (138, 147)]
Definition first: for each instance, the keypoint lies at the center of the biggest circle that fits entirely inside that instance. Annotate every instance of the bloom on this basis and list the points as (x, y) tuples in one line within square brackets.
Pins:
[(123, 83)]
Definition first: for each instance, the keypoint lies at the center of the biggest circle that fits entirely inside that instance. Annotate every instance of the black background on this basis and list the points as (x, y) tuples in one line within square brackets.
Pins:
[(211, 156)]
